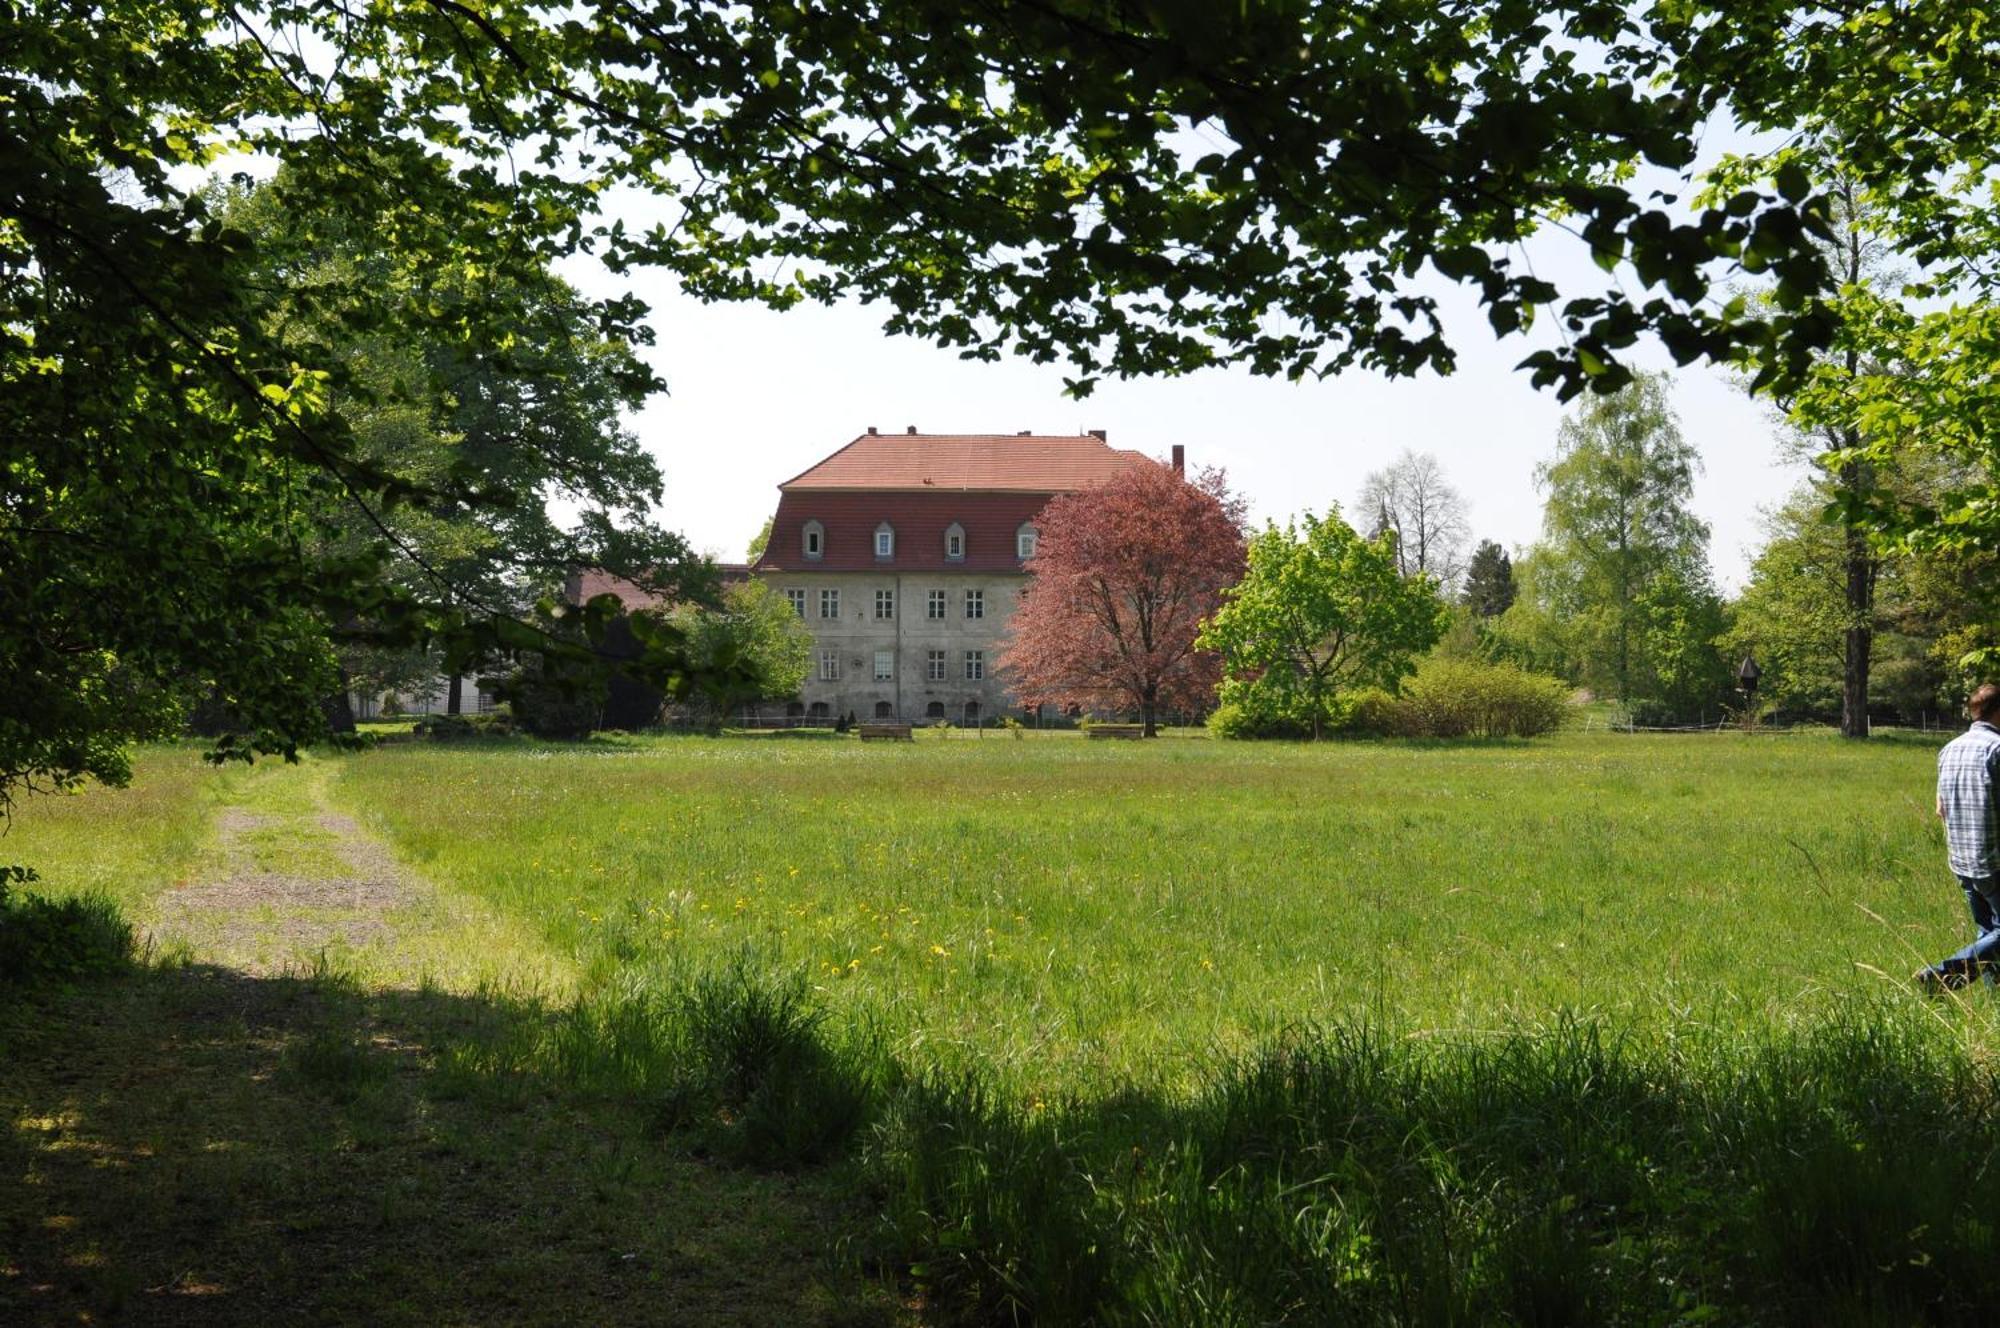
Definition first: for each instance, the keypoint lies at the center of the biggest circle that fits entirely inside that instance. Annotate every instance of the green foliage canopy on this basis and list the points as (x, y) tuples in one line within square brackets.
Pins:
[(1319, 612), (1489, 580), (753, 648), (1622, 556)]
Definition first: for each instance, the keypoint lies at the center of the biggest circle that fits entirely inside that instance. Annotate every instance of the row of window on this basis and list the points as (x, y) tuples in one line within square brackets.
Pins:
[(885, 604), (813, 538), (935, 665), (820, 710)]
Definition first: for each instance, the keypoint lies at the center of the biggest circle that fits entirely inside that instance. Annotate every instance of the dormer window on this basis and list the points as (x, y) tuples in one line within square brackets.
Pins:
[(1024, 542), (954, 542), (815, 540), (885, 541)]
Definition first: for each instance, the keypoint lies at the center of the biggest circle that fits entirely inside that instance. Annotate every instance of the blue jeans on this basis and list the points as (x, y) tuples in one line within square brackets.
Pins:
[(1982, 895)]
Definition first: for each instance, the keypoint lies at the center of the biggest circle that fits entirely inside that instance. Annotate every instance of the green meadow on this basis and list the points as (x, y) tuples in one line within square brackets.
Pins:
[(1071, 913), (1596, 1028)]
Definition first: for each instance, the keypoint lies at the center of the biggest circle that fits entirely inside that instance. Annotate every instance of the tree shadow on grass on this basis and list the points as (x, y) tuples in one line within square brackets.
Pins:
[(189, 1144)]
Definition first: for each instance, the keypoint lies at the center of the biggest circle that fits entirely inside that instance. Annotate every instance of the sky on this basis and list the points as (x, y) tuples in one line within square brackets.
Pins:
[(755, 396)]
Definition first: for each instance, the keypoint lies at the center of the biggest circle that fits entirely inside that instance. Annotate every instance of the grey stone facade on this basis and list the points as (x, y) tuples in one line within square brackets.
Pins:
[(906, 640)]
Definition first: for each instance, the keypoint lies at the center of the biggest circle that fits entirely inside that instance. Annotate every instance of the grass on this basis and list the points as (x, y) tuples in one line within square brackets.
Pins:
[(192, 1145), (1593, 1029), (128, 845), (1067, 914)]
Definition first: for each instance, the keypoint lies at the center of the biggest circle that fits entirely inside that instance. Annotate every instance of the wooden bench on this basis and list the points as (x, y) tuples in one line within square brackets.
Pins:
[(886, 732), (1116, 730)]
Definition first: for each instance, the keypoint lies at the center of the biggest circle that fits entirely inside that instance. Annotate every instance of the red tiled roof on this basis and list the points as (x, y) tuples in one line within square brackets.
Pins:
[(849, 520), (976, 462)]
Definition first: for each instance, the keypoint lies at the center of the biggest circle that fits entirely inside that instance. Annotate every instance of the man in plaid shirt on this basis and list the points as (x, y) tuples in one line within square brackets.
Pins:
[(1968, 786)]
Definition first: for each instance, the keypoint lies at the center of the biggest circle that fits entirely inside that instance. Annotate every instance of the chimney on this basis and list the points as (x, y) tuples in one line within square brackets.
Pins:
[(871, 431), (1180, 459), (1024, 433), (913, 428), (1098, 434)]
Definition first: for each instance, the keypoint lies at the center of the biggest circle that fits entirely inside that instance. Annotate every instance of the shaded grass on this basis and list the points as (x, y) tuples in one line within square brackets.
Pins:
[(188, 1145)]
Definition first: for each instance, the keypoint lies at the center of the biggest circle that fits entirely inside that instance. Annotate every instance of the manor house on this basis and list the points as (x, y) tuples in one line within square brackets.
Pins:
[(905, 555)]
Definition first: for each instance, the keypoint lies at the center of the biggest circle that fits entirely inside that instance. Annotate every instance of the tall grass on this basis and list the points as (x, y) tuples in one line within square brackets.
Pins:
[(1571, 1173), (124, 844), (1060, 914), (1585, 1031)]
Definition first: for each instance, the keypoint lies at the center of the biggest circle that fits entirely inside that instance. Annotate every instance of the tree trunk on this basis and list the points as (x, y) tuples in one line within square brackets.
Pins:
[(454, 695), (1859, 644), (1860, 636), (1149, 711)]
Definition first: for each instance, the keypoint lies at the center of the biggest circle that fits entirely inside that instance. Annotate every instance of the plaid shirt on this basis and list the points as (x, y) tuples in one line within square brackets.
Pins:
[(1968, 776)]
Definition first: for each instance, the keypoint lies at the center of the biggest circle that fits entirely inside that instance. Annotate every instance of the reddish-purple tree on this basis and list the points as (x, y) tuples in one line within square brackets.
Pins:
[(1124, 574)]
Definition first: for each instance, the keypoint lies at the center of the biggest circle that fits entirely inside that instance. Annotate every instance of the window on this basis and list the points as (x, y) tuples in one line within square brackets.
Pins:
[(797, 599), (829, 603), (820, 710), (935, 710), (885, 540), (829, 666), (815, 539), (972, 712), (954, 541), (883, 710), (795, 710), (885, 605), (934, 665), (885, 664), (934, 606), (1024, 542), (975, 604), (975, 665)]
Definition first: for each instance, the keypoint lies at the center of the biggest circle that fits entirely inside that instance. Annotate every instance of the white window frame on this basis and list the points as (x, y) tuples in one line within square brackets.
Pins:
[(885, 606), (935, 663), (954, 543), (829, 665), (975, 665), (885, 541), (1025, 540), (975, 604), (935, 606), (812, 540), (829, 602), (885, 665), (796, 596)]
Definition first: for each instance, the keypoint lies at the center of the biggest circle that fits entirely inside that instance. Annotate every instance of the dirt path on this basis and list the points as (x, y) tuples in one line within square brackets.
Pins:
[(292, 884), (330, 1115)]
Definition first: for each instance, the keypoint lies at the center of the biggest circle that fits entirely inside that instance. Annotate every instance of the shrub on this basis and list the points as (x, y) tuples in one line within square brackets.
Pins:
[(1380, 714), (1457, 698), (1250, 718), (1468, 699), (45, 941)]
